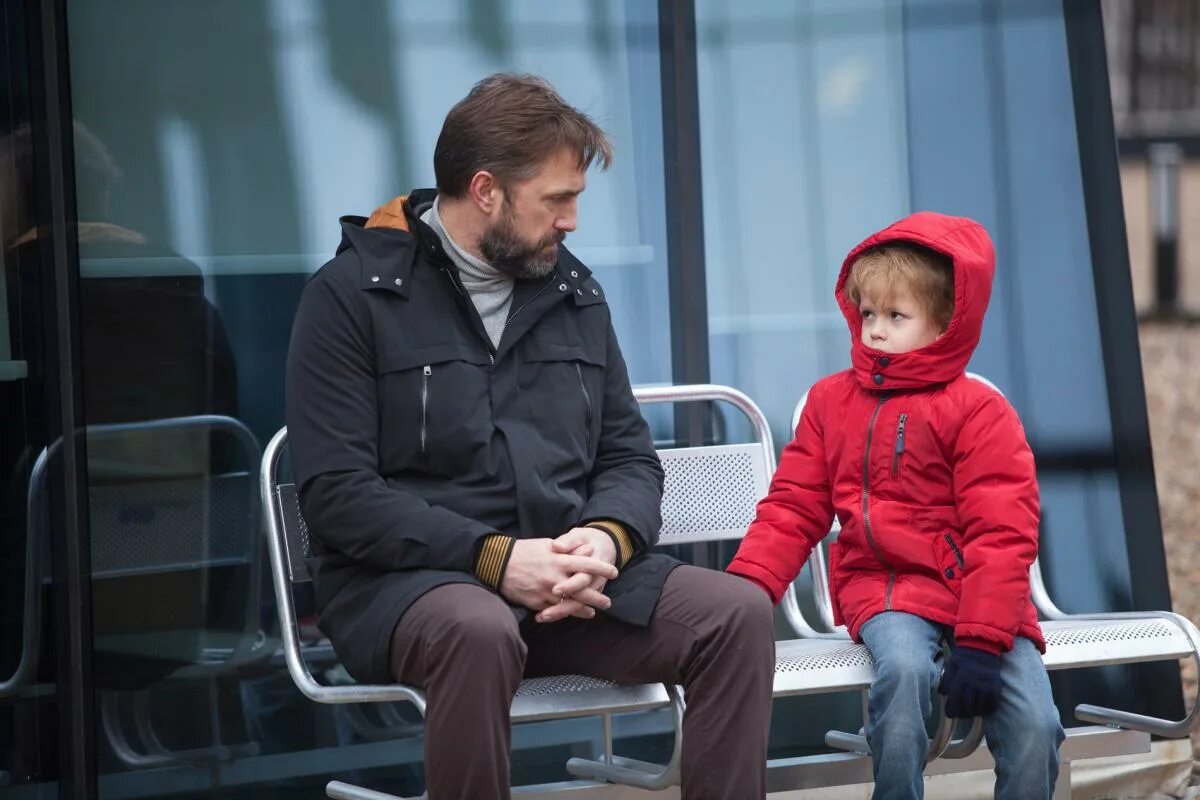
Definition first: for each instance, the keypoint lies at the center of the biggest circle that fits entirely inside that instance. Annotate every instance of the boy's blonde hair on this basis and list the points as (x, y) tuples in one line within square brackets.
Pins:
[(905, 266)]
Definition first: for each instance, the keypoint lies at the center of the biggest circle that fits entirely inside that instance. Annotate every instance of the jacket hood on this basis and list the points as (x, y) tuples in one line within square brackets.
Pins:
[(967, 244), (387, 241)]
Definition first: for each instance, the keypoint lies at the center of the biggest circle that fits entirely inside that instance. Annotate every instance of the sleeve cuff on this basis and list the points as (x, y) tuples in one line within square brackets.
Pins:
[(620, 536), (986, 645), (753, 572), (492, 559)]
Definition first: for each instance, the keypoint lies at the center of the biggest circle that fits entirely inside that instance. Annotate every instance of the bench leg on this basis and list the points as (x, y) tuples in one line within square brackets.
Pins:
[(1062, 786), (630, 772), (346, 791), (857, 743)]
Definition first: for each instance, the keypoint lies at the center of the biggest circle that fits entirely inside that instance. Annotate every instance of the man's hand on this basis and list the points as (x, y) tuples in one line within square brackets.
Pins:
[(537, 567), (584, 592)]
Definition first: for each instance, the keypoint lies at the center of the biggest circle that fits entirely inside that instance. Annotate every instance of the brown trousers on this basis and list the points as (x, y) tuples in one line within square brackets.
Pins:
[(711, 632)]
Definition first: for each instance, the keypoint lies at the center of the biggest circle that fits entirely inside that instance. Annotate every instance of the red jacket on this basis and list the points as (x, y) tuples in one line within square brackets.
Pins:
[(927, 470)]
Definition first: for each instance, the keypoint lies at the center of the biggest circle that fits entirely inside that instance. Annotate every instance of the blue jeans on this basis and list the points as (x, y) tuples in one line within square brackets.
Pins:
[(1023, 734)]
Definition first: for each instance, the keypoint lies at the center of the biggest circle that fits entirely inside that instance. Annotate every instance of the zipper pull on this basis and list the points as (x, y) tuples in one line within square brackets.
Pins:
[(899, 445), (428, 370)]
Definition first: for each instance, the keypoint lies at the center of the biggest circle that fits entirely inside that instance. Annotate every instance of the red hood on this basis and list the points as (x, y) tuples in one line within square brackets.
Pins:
[(969, 247)]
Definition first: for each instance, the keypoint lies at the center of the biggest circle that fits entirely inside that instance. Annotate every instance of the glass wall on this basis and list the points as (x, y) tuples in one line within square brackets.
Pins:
[(216, 148), (880, 109)]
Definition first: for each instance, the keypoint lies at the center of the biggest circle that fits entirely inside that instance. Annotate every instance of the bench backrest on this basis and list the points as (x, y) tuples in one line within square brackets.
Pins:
[(709, 493)]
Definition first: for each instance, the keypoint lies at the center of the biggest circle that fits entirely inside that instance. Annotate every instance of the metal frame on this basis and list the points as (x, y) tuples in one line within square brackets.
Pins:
[(213, 660), (684, 206), (1131, 452), (36, 537), (49, 113), (289, 631)]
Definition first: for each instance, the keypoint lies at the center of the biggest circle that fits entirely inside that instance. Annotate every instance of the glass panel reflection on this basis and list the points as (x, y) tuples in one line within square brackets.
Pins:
[(206, 199)]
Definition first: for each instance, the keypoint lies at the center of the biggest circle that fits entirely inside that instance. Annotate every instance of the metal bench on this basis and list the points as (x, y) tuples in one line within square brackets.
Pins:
[(190, 523), (710, 494)]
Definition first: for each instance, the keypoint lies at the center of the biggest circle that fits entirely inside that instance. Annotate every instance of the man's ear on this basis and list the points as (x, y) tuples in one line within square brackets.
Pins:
[(484, 191)]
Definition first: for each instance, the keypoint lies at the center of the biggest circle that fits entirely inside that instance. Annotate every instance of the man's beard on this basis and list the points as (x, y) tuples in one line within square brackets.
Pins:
[(505, 250)]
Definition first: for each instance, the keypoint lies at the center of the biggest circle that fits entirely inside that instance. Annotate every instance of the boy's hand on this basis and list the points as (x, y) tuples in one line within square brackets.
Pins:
[(970, 683)]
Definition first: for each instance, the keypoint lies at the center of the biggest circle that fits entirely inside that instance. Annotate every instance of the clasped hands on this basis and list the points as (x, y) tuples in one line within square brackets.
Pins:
[(563, 577)]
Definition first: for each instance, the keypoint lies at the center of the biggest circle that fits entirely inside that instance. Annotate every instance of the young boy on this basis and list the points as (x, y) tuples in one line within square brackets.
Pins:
[(930, 475)]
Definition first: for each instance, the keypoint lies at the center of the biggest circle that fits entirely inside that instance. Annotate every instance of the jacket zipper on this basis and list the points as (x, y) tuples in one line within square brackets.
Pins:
[(462, 292), (524, 305), (899, 445), (958, 556), (587, 399), (425, 373), (887, 599), (490, 347)]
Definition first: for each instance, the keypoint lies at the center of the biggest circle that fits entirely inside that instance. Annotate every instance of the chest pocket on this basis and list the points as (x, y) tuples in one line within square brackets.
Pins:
[(563, 391), (434, 409)]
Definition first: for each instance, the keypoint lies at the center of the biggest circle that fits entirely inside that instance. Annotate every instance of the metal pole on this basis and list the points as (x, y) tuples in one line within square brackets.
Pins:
[(1165, 158)]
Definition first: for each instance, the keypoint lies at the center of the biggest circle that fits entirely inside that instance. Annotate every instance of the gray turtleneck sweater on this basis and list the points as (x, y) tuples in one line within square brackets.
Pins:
[(490, 289)]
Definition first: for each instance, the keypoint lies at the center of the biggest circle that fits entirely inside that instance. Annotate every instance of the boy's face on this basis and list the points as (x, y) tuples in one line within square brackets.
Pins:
[(899, 325)]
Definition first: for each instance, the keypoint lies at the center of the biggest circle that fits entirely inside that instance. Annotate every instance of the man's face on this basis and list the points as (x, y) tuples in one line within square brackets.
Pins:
[(534, 217), (898, 325)]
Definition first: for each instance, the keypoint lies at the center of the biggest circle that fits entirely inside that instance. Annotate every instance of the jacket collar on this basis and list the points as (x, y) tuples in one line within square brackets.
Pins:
[(387, 243)]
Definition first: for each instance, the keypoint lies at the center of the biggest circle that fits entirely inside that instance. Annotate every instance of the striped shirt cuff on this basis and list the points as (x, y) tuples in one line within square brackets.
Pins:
[(619, 535), (493, 559)]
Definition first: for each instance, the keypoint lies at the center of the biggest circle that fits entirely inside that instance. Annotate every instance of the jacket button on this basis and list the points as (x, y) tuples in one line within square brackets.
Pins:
[(596, 292), (562, 287), (579, 292), (949, 572), (883, 362), (878, 379), (574, 274), (374, 279), (399, 281)]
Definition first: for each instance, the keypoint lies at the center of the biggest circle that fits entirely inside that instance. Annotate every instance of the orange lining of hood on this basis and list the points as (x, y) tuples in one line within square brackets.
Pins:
[(390, 215)]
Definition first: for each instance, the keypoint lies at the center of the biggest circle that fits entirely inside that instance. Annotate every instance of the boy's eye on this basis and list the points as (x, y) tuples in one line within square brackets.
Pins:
[(896, 315), (867, 314)]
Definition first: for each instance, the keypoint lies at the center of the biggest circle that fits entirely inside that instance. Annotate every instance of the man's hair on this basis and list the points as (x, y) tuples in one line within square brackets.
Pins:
[(905, 266), (509, 125)]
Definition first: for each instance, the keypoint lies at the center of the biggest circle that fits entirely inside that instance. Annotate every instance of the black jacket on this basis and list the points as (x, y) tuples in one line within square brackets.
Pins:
[(412, 438)]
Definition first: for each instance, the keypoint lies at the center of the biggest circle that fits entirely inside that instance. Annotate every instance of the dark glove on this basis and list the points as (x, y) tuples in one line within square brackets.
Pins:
[(970, 683)]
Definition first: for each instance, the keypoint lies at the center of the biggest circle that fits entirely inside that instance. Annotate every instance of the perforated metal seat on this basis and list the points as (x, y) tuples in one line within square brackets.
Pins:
[(578, 695), (1085, 643), (829, 665), (821, 666)]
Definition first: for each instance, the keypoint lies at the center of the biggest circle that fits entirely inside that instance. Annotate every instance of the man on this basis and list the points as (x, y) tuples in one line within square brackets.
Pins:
[(480, 484)]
